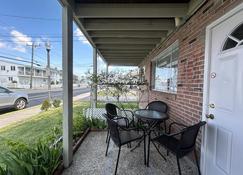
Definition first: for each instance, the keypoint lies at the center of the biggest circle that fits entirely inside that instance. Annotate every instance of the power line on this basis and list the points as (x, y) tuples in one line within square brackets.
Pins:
[(15, 55), (53, 41), (37, 36), (14, 59), (31, 18)]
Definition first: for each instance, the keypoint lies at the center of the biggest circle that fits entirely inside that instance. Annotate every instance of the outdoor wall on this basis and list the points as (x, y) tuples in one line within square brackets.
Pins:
[(186, 105)]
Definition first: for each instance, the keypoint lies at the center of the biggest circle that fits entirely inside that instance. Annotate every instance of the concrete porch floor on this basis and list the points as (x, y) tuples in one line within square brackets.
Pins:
[(90, 160)]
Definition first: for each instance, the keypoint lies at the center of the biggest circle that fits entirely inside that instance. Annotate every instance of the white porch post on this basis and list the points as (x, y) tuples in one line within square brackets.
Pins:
[(95, 74), (67, 54), (107, 69)]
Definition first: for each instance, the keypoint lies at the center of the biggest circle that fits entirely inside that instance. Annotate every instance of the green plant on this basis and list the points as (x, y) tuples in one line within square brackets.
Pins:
[(96, 123), (79, 124), (45, 105), (3, 171), (56, 103), (38, 160)]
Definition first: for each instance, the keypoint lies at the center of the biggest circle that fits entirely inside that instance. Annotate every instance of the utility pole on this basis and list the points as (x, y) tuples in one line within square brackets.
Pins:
[(33, 46), (48, 69)]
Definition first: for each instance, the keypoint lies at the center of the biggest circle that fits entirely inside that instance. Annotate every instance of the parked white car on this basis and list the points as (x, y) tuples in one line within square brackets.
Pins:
[(8, 99)]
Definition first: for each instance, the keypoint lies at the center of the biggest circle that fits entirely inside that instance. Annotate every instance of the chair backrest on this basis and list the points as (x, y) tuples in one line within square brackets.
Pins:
[(189, 136), (114, 131), (158, 106), (111, 110)]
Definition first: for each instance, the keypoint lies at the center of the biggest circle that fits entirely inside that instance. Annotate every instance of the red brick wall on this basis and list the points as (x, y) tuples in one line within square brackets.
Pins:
[(186, 105)]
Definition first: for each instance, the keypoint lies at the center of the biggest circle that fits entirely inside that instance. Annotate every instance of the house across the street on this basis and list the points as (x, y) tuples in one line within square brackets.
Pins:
[(17, 75)]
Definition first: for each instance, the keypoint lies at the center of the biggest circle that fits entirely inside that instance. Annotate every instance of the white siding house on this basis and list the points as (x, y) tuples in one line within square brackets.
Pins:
[(18, 75)]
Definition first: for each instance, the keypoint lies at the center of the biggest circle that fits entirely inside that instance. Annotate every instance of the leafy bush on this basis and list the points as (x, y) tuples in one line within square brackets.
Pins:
[(98, 123), (24, 160), (56, 103), (45, 105), (79, 124)]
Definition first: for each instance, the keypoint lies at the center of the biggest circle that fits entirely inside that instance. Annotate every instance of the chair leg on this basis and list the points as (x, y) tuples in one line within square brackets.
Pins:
[(148, 149), (167, 152), (144, 149), (117, 161), (108, 133), (197, 162), (158, 151), (108, 142), (178, 164), (165, 126)]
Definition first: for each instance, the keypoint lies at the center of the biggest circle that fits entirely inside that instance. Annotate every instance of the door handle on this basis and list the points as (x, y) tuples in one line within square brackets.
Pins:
[(210, 116)]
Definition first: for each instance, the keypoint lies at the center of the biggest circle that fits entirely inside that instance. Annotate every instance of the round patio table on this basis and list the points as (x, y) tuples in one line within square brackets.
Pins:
[(150, 115), (152, 119)]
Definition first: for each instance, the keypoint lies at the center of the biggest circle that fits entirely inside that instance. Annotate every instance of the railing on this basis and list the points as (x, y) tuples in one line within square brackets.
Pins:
[(21, 72)]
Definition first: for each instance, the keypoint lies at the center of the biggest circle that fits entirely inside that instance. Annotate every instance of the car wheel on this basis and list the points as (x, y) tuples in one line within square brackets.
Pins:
[(20, 103)]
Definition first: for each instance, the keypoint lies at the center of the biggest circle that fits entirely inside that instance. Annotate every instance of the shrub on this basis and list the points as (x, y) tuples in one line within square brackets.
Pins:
[(79, 124), (98, 123), (45, 105), (38, 160), (56, 103)]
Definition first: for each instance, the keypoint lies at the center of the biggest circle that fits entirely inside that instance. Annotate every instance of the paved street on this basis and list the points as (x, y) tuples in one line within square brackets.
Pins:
[(36, 97)]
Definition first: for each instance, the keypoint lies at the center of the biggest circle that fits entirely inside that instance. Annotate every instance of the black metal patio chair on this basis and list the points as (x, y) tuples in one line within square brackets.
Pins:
[(183, 145), (159, 106), (124, 118), (122, 136)]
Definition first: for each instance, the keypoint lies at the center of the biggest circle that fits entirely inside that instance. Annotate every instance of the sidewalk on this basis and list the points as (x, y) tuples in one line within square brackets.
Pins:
[(18, 116)]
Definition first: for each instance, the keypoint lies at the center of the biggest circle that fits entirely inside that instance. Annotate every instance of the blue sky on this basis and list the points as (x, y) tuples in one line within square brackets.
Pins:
[(20, 24), (26, 21)]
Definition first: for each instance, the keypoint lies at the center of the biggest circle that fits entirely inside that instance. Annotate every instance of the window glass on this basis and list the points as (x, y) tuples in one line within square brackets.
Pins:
[(235, 39), (238, 32), (229, 44), (164, 70), (2, 67), (2, 90), (13, 68)]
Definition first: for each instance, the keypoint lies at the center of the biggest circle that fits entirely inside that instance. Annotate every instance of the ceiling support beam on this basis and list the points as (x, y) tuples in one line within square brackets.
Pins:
[(124, 54), (129, 24), (126, 46), (126, 40), (127, 34), (115, 51), (129, 60), (131, 10)]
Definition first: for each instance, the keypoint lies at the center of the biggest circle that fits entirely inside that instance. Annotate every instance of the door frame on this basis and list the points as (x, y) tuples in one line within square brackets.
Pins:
[(206, 82)]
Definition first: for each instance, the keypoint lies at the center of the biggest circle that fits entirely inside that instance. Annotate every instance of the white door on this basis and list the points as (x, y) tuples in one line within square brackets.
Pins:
[(224, 133)]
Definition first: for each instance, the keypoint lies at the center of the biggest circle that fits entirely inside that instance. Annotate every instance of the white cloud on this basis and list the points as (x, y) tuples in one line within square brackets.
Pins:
[(20, 40), (19, 58), (81, 36), (2, 45)]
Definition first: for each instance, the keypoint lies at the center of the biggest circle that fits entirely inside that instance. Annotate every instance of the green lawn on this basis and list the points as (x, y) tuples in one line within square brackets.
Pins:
[(46, 125)]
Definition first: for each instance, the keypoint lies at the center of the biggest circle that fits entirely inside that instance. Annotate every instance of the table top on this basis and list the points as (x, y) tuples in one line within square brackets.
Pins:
[(150, 115)]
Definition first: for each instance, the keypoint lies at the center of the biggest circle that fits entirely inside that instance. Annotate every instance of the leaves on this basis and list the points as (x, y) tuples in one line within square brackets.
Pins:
[(38, 160)]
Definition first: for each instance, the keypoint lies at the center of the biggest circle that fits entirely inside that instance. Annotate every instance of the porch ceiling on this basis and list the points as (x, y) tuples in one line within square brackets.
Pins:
[(125, 31)]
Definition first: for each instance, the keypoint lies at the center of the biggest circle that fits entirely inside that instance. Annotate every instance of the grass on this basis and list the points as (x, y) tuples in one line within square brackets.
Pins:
[(38, 127), (44, 125)]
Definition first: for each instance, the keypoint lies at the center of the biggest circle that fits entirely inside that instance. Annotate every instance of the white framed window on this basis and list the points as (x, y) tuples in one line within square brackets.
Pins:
[(10, 79), (12, 68), (3, 68), (165, 69)]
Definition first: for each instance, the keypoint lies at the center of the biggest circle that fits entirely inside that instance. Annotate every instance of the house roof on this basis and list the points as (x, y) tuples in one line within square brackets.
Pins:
[(126, 31)]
